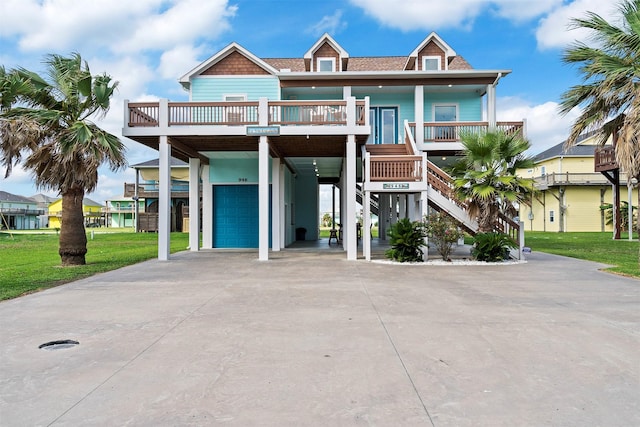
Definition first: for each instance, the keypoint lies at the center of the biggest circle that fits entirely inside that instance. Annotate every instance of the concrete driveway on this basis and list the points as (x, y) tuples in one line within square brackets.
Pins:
[(218, 338)]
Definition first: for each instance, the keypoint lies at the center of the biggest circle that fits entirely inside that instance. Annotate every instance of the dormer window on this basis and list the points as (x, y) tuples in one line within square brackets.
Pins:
[(326, 64), (431, 63)]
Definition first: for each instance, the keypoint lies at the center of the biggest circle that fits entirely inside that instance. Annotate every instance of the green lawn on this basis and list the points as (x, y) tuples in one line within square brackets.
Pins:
[(30, 262), (599, 247)]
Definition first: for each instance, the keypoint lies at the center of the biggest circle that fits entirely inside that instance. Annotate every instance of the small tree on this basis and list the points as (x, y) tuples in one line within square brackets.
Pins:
[(624, 214), (443, 232), (406, 239), (327, 220)]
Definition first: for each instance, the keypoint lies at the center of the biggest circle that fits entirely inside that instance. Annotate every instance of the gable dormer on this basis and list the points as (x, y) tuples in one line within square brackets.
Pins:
[(433, 54), (233, 60), (326, 55)]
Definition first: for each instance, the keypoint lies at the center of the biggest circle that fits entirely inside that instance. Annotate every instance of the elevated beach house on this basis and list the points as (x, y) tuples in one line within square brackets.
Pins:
[(261, 134)]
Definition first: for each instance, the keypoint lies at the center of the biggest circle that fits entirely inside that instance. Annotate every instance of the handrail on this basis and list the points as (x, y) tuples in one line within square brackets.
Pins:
[(395, 168), (283, 113)]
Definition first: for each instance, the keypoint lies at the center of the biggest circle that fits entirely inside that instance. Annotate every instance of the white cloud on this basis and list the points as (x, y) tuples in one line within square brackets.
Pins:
[(117, 25), (544, 124), (331, 24), (409, 15), (553, 32), (174, 62), (185, 22)]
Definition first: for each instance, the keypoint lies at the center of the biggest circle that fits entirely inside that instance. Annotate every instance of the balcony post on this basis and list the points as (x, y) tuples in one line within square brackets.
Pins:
[(263, 111), (351, 111), (163, 113), (126, 113)]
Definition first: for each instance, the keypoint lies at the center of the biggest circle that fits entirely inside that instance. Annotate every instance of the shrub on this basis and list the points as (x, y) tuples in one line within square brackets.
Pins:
[(492, 247), (443, 232), (406, 239)]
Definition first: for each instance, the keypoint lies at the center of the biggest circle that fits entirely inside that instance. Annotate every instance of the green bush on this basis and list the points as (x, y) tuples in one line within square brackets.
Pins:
[(492, 247), (443, 232), (406, 239)]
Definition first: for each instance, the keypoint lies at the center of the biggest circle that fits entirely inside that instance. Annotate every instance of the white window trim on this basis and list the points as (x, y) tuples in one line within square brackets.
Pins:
[(324, 58), (424, 61), (433, 111), (226, 97)]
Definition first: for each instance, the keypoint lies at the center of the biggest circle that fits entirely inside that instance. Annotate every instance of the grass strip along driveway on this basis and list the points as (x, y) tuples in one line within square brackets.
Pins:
[(599, 247), (30, 262)]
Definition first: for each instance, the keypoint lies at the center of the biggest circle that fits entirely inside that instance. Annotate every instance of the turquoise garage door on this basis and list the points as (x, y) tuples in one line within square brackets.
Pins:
[(235, 216)]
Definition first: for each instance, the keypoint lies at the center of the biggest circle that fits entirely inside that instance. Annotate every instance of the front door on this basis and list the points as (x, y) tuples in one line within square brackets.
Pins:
[(384, 125)]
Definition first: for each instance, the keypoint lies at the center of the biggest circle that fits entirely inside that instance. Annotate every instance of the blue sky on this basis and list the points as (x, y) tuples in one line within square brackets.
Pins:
[(148, 44)]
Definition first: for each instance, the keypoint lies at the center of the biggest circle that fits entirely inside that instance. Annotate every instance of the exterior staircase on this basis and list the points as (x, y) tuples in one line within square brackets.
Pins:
[(402, 162)]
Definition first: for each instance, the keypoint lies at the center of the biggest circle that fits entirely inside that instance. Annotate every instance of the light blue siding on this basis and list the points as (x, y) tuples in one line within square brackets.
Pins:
[(469, 105), (215, 88)]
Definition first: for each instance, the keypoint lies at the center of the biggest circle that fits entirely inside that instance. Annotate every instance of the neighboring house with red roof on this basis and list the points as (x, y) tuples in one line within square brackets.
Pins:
[(260, 136)]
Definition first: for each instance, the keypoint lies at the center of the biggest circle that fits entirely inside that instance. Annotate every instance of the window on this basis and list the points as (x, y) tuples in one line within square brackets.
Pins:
[(326, 64), (552, 216), (235, 98), (543, 171), (445, 113), (234, 114), (431, 63)]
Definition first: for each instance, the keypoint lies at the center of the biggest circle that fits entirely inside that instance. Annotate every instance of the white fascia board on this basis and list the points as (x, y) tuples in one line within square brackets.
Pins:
[(364, 75)]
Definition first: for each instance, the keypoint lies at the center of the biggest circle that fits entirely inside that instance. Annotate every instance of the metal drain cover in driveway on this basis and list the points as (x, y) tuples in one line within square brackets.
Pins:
[(58, 345)]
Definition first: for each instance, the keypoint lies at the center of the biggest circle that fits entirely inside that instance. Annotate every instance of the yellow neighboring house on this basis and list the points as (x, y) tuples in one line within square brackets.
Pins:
[(570, 192), (92, 213)]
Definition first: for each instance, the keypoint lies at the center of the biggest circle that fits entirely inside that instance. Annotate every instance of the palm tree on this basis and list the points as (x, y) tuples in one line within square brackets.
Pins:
[(45, 126), (609, 91), (485, 176)]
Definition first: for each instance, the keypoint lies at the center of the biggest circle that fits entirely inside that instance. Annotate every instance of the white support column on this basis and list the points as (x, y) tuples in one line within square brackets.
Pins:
[(282, 219), (350, 190), (164, 199), (207, 209), (263, 199), (346, 92), (491, 106), (366, 225), (424, 206), (383, 215), (402, 206), (194, 204), (136, 219), (418, 105), (275, 204)]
